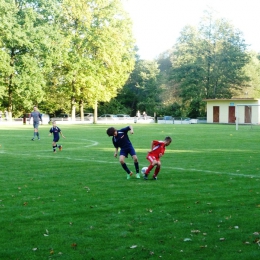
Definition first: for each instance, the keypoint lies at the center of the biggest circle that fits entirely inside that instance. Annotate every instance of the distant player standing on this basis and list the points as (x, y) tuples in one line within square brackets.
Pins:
[(36, 120), (121, 140), (56, 131), (157, 151)]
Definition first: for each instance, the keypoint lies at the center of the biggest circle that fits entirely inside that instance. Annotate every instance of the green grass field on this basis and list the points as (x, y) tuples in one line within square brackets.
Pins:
[(77, 203)]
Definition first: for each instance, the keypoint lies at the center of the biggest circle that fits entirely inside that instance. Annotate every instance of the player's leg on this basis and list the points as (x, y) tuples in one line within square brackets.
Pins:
[(59, 146), (157, 170), (136, 164), (34, 131), (37, 132), (124, 166), (54, 146), (153, 162)]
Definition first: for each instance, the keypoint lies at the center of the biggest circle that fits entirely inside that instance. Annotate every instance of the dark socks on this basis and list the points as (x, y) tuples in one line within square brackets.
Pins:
[(125, 168), (136, 167)]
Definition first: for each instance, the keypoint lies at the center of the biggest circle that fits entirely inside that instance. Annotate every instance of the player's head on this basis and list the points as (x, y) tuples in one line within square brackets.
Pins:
[(111, 131), (167, 140), (54, 123), (35, 108)]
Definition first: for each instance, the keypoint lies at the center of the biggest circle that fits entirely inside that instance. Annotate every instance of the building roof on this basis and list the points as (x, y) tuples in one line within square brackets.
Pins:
[(232, 99)]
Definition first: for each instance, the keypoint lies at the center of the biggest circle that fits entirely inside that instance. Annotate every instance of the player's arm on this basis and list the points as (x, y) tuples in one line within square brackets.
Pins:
[(153, 144), (40, 117), (116, 151), (131, 129), (50, 132), (62, 134)]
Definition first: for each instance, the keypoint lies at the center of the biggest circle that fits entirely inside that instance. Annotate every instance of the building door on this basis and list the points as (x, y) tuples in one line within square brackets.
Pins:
[(231, 114), (248, 115), (215, 114)]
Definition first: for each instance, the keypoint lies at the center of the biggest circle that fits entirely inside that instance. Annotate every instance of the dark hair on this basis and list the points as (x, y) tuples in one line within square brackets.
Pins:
[(168, 139), (111, 131)]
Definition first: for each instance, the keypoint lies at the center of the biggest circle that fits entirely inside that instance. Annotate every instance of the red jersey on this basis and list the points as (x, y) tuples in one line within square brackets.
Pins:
[(158, 148)]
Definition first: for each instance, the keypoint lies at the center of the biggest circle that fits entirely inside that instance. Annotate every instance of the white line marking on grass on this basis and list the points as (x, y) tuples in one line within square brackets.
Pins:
[(116, 162), (214, 172), (94, 143)]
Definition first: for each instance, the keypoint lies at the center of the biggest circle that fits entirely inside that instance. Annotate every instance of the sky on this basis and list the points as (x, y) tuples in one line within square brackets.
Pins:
[(157, 23)]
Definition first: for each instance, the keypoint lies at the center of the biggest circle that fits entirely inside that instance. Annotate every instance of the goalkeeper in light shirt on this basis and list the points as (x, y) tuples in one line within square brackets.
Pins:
[(157, 151)]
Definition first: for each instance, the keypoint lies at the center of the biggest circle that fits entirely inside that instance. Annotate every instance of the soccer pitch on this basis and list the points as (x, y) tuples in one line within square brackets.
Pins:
[(78, 204)]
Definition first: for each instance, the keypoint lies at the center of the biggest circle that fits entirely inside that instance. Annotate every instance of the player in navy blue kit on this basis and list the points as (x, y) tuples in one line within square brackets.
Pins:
[(121, 140), (56, 131)]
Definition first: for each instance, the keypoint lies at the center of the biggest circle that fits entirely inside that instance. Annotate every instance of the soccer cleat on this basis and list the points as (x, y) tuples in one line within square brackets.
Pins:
[(137, 176), (32, 139), (154, 177), (60, 147), (39, 139), (145, 177), (128, 175)]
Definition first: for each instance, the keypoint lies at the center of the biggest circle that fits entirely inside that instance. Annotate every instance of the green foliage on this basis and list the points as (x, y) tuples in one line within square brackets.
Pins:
[(208, 62), (77, 203), (141, 91), (101, 53), (80, 50)]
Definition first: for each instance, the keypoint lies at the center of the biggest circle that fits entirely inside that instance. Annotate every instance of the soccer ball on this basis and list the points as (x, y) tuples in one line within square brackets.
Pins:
[(144, 170)]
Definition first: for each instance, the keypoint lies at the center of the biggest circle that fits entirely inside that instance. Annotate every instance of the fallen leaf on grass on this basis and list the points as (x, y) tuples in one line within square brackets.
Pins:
[(257, 241), (256, 233), (133, 246), (222, 239), (35, 249), (87, 188), (74, 245), (51, 251), (203, 246), (195, 231), (186, 239)]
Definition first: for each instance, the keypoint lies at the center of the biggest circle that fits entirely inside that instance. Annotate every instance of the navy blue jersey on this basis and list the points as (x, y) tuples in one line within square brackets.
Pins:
[(122, 139), (56, 132)]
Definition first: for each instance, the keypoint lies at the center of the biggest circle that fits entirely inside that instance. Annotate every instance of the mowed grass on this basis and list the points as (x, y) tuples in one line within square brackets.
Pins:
[(77, 203)]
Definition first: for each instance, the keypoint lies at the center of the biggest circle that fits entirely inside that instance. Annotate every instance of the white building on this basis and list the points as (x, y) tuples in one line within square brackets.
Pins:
[(245, 110)]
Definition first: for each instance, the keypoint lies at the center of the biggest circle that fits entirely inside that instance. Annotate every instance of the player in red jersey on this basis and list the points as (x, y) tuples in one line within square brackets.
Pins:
[(157, 151)]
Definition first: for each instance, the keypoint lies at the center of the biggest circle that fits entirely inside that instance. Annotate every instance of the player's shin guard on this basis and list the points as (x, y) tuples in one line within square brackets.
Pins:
[(136, 167), (125, 168), (150, 167), (156, 172)]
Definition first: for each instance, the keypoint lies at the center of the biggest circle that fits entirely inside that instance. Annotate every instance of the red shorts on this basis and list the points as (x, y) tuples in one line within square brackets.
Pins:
[(151, 158)]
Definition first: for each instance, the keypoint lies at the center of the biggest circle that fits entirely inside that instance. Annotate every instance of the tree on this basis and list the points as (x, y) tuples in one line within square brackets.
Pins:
[(141, 92), (101, 53), (26, 38), (208, 62)]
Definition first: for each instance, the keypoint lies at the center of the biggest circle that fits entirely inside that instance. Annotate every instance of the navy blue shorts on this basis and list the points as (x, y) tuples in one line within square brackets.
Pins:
[(127, 151), (56, 140)]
